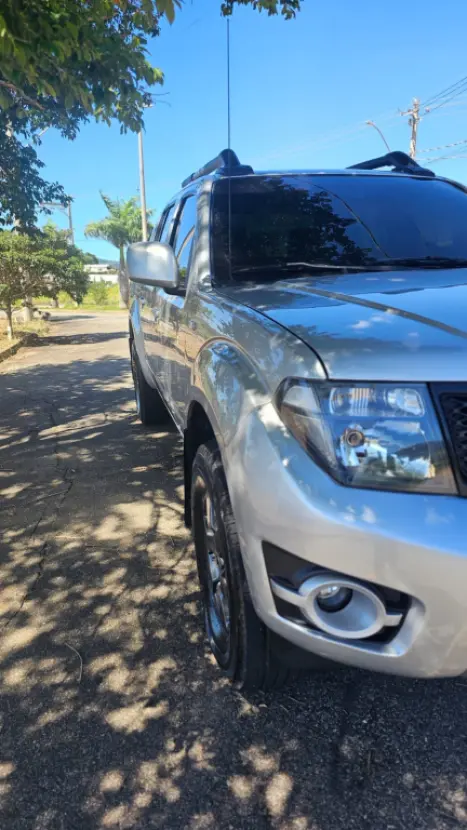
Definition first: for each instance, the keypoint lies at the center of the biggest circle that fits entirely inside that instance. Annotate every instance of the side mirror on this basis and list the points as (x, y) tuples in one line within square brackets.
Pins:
[(153, 263)]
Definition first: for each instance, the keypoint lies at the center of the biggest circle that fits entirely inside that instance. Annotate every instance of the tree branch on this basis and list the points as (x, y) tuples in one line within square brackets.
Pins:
[(26, 98)]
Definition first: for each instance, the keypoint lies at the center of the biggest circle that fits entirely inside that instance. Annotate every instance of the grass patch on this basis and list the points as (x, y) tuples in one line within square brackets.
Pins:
[(91, 307), (39, 327), (101, 296)]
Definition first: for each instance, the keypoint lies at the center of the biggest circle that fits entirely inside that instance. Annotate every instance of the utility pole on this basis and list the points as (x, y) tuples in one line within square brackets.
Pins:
[(59, 206), (414, 120), (70, 224), (142, 188)]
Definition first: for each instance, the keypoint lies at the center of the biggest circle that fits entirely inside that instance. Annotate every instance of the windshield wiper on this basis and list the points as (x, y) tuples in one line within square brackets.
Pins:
[(424, 262), (378, 265), (300, 267)]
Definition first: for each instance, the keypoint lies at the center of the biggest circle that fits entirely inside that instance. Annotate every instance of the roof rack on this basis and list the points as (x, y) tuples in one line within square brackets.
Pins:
[(400, 162), (226, 164)]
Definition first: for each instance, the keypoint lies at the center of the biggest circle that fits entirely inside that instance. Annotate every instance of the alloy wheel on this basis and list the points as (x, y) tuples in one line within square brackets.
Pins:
[(217, 599)]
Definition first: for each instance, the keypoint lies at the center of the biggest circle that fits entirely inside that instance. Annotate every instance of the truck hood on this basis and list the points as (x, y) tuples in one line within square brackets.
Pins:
[(393, 325)]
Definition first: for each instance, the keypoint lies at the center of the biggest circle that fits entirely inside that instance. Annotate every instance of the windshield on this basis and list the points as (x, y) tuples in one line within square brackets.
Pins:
[(335, 220)]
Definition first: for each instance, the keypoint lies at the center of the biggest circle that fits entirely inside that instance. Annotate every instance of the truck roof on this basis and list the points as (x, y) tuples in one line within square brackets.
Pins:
[(227, 164)]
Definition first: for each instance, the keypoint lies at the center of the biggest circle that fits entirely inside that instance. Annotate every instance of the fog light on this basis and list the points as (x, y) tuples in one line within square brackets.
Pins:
[(334, 598), (340, 606), (329, 591)]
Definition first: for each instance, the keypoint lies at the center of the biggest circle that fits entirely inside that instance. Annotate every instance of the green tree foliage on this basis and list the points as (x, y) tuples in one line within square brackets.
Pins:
[(40, 263), (120, 227), (65, 265), (98, 292), (23, 269), (288, 8), (22, 188), (63, 62)]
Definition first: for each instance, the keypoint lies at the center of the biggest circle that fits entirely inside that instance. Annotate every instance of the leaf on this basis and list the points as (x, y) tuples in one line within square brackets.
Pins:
[(6, 99), (70, 61), (167, 8), (49, 89)]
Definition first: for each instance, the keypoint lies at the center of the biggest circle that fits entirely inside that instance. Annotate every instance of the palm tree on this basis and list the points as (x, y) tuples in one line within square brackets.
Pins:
[(121, 227)]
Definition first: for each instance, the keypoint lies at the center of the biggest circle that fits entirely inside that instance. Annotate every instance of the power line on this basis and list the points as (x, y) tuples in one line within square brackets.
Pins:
[(444, 158), (445, 97), (462, 103), (460, 91), (444, 92), (442, 99), (336, 136), (353, 131), (444, 146)]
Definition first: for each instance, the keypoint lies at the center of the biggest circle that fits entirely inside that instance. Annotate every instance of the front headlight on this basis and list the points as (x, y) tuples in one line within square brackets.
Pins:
[(369, 435)]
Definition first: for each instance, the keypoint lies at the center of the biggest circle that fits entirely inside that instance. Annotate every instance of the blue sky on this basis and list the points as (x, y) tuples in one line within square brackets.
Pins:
[(301, 92)]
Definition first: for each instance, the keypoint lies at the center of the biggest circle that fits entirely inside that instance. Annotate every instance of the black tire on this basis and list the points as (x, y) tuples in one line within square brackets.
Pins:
[(149, 403), (243, 650)]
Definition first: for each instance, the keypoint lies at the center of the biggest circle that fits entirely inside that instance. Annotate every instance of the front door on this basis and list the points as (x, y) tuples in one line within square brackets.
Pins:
[(166, 349), (152, 301)]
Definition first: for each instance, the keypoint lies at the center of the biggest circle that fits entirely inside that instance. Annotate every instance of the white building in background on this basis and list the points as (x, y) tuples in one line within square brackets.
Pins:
[(101, 272)]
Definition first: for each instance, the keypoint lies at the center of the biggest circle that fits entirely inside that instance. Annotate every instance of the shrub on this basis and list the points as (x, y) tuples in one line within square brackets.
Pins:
[(98, 293)]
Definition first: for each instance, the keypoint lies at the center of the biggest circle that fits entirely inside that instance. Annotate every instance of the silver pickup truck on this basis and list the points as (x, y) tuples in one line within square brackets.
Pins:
[(307, 333)]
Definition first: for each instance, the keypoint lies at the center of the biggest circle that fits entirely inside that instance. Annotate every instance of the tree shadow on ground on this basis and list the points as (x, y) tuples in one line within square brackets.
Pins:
[(78, 339), (63, 316), (112, 713)]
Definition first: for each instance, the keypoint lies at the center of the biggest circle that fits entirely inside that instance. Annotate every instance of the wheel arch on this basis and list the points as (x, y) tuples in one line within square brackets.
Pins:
[(225, 387), (198, 430)]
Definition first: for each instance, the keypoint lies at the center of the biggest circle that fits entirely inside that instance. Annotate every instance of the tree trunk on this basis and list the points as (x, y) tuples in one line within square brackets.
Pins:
[(9, 322), (27, 310), (54, 302), (123, 282)]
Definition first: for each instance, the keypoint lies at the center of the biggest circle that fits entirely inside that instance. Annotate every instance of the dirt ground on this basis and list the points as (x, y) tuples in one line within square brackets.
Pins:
[(112, 715), (21, 329)]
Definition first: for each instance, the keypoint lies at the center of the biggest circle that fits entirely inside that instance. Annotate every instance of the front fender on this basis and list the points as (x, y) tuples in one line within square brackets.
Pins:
[(230, 388), (228, 385)]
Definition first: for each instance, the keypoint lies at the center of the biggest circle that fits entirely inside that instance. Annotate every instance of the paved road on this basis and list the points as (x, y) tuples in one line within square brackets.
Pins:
[(111, 713)]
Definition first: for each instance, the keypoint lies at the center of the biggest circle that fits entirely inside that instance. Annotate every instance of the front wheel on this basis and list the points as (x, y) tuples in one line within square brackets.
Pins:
[(240, 642)]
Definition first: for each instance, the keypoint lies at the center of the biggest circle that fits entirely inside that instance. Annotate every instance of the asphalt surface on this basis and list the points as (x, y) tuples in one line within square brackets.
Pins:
[(112, 714)]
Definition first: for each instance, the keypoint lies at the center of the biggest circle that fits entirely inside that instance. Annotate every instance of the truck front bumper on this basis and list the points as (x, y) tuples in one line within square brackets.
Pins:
[(415, 544)]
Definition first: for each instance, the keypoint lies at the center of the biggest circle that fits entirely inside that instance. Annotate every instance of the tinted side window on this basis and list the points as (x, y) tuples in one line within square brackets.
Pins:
[(156, 233), (184, 235), (164, 232)]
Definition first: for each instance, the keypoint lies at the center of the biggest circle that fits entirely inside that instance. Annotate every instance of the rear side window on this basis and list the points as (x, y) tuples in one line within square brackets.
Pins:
[(184, 236)]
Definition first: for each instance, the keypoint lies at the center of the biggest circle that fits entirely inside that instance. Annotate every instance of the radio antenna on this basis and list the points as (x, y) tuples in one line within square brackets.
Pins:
[(228, 84), (229, 197)]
